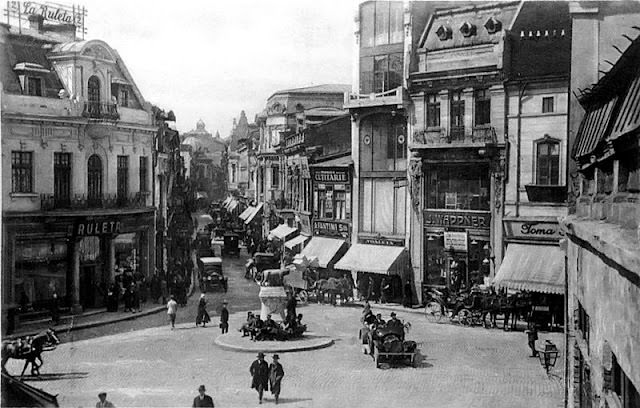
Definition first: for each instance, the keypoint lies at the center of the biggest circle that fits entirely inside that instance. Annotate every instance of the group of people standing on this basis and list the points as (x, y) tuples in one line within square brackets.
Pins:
[(382, 290)]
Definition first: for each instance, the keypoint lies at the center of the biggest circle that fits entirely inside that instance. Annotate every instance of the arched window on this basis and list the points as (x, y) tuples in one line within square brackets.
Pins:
[(93, 89), (548, 162), (94, 184)]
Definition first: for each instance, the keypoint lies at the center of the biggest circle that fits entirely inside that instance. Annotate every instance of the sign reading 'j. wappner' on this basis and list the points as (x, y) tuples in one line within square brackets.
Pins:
[(440, 218)]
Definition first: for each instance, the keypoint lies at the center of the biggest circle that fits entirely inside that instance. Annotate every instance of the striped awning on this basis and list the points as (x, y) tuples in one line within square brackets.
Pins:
[(255, 211), (537, 268), (325, 250), (282, 231), (243, 216), (593, 128), (628, 118), (370, 258)]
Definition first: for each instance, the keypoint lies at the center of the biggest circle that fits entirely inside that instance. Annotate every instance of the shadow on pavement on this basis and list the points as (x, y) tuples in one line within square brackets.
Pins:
[(56, 376), (292, 400)]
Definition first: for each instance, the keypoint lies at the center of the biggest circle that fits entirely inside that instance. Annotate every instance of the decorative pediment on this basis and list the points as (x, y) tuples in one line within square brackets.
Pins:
[(97, 51)]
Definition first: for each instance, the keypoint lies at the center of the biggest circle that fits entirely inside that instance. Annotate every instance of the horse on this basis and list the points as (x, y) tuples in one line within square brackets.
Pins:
[(10, 349), (332, 286)]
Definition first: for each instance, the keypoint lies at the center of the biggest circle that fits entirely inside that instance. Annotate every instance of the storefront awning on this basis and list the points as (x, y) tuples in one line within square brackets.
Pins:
[(593, 128), (243, 216), (232, 205), (256, 210), (538, 268), (370, 258), (202, 220), (325, 249), (296, 241), (282, 231)]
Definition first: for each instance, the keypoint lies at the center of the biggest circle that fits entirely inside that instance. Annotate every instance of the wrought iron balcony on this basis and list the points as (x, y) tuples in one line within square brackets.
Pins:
[(50, 202), (457, 136), (97, 110), (380, 89)]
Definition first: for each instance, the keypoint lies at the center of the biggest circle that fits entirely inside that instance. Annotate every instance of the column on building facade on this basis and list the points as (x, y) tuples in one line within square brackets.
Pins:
[(467, 97), (111, 259), (416, 228), (75, 278), (443, 96)]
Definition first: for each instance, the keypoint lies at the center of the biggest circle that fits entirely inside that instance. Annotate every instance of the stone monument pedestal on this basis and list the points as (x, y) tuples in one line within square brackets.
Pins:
[(274, 301)]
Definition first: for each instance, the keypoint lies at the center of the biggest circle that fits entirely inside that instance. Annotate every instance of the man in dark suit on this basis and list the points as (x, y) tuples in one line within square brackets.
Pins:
[(260, 376), (202, 400), (224, 318)]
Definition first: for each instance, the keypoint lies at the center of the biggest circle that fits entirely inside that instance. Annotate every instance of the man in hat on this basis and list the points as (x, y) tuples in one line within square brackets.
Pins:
[(260, 375), (276, 372), (224, 318), (103, 403), (202, 400), (172, 309), (394, 322)]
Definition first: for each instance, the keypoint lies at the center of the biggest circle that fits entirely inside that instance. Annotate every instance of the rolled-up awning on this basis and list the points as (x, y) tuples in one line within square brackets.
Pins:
[(324, 249), (282, 231), (256, 210), (370, 258), (296, 241), (537, 268)]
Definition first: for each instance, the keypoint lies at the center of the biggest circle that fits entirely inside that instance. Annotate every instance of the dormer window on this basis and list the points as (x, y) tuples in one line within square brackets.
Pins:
[(467, 29), (444, 33), (30, 76), (492, 25), (34, 86)]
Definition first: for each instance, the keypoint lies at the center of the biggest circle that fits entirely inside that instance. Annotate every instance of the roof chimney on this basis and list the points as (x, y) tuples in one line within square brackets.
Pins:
[(36, 21)]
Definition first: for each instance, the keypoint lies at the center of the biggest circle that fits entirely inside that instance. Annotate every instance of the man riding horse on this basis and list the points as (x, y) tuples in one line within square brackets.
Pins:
[(29, 350)]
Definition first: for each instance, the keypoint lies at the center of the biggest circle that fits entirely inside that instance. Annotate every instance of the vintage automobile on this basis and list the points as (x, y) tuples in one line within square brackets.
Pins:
[(386, 344), (211, 275), (258, 263), (231, 244)]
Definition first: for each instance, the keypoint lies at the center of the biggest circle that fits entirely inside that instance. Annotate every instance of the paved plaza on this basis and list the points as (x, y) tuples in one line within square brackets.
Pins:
[(459, 367)]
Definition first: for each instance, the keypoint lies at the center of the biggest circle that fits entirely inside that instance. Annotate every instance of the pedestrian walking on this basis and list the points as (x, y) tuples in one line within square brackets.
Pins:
[(260, 376), (55, 309), (203, 315), (224, 318), (532, 336), (384, 290), (103, 403), (276, 372), (172, 309), (202, 400), (408, 294)]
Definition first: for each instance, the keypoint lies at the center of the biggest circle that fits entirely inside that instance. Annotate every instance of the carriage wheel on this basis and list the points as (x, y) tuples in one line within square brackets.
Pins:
[(464, 317), (433, 311), (304, 296)]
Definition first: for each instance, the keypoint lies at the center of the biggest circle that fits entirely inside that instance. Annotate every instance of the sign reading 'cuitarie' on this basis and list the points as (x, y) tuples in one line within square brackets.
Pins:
[(331, 176)]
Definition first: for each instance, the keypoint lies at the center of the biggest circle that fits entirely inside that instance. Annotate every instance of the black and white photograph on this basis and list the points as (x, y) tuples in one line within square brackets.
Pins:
[(320, 203)]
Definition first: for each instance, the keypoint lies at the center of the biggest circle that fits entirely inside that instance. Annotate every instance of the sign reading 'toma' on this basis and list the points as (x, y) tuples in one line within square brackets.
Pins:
[(535, 230)]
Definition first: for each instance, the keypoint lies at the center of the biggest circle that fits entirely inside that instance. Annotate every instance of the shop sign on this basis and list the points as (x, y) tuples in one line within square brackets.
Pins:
[(331, 229), (305, 224), (457, 240), (456, 219), (333, 175), (383, 241), (52, 12), (536, 230), (97, 228)]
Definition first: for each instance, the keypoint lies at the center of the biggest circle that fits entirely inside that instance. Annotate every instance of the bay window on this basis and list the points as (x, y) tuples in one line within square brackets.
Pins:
[(458, 187)]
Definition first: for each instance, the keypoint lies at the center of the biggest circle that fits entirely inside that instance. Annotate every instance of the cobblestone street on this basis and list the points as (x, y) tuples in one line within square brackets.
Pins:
[(460, 367)]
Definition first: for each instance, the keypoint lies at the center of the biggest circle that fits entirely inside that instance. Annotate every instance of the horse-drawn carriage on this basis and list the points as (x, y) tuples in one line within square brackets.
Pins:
[(386, 344), (30, 350), (472, 308), (258, 263)]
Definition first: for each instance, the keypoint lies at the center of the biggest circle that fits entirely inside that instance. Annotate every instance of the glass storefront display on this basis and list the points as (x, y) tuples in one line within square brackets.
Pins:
[(458, 187), (127, 251)]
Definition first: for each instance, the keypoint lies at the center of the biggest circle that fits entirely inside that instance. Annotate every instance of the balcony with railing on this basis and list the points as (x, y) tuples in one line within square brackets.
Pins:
[(51, 202), (458, 136), (100, 111), (377, 89)]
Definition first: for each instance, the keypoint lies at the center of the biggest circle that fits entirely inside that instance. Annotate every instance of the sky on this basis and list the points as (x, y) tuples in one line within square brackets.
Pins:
[(212, 59)]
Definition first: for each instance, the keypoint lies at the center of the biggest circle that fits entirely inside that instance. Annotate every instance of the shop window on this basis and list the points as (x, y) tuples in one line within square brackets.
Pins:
[(547, 104), (34, 86), (433, 111), (123, 178), (604, 178), (21, 172), (383, 144), (382, 206), (483, 107), (144, 171), (622, 387), (62, 178), (458, 187), (457, 116), (629, 172), (548, 162)]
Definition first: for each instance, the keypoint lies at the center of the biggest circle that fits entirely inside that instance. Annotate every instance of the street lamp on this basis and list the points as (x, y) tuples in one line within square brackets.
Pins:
[(548, 356)]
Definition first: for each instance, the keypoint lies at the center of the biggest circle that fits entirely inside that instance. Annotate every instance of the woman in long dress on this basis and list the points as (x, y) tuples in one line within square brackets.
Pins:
[(203, 315)]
